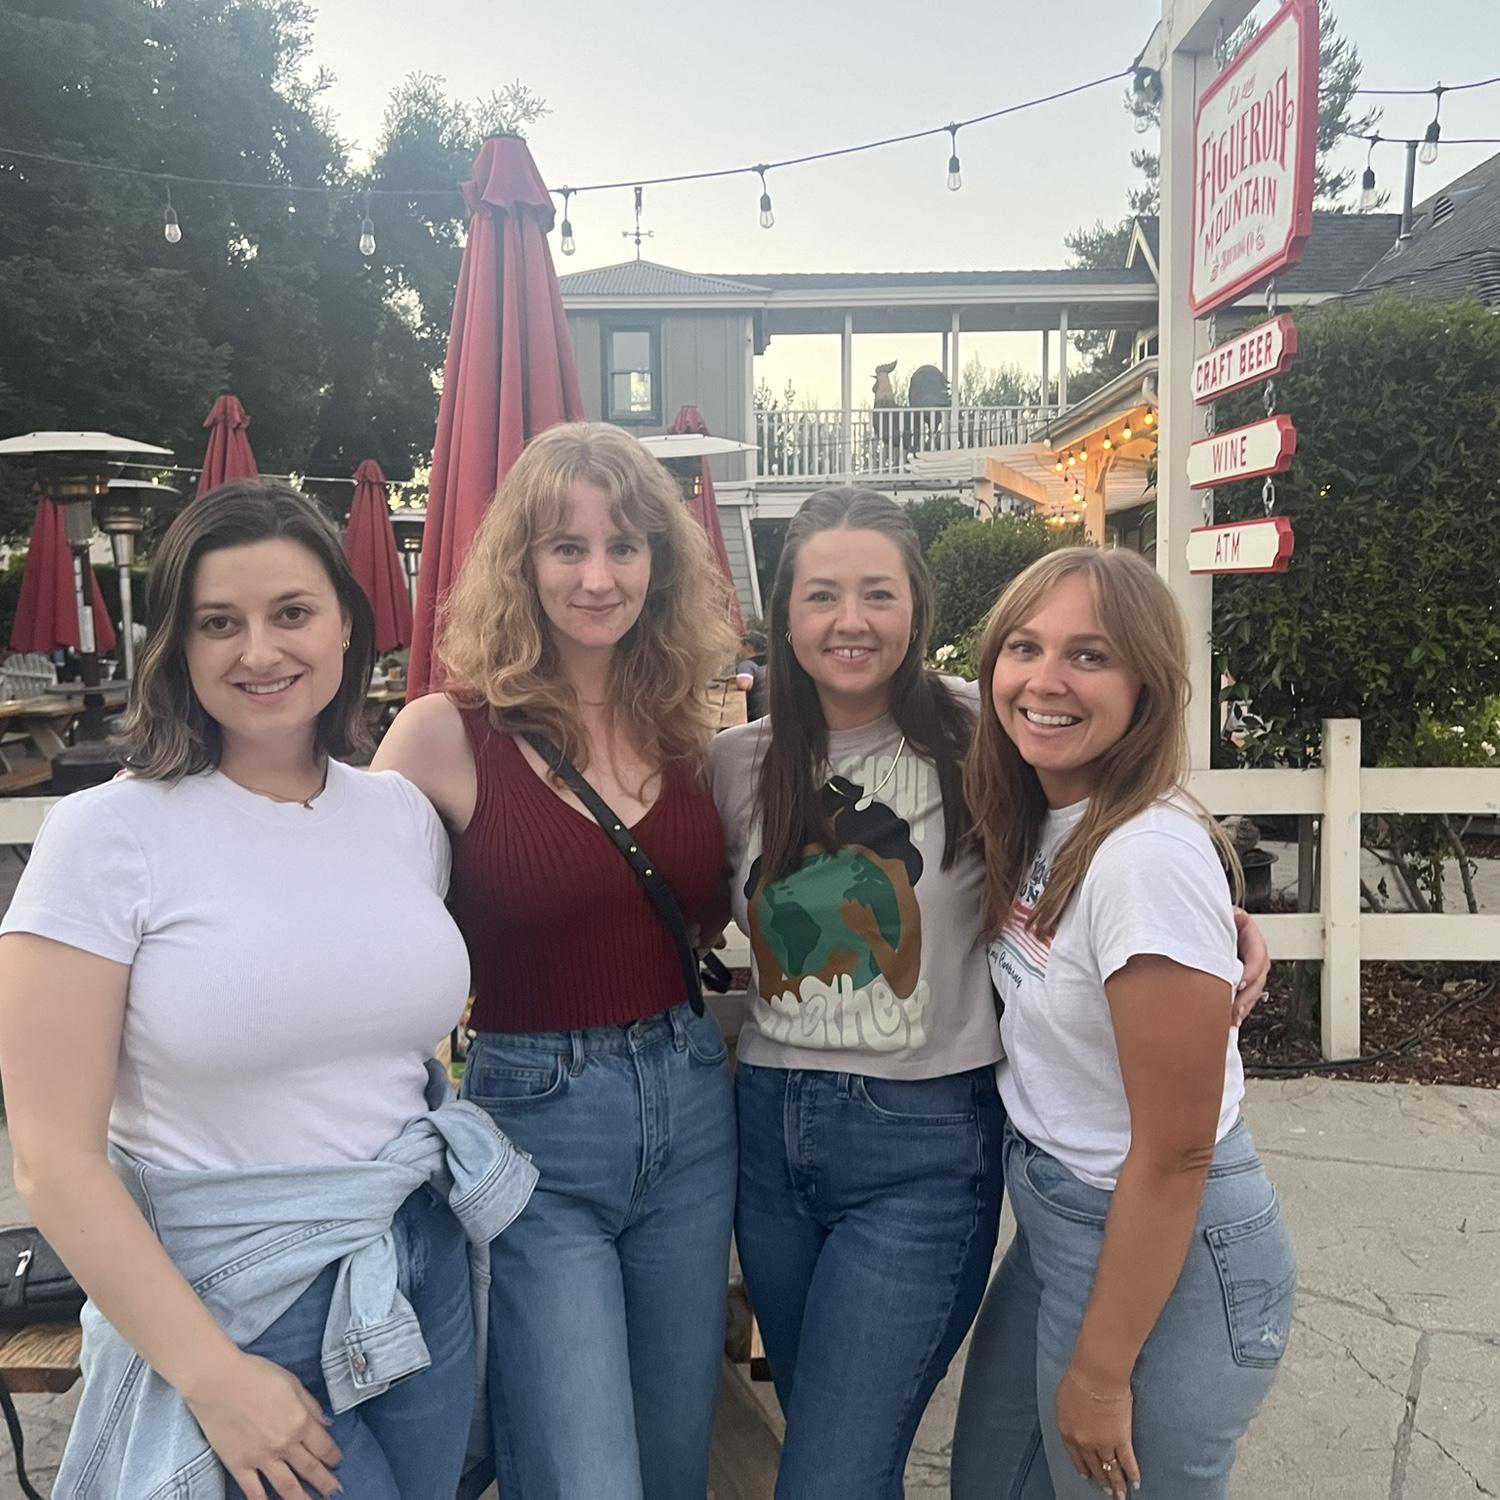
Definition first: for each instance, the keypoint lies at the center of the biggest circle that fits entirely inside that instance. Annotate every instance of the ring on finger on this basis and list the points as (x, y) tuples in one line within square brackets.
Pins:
[(1106, 1465)]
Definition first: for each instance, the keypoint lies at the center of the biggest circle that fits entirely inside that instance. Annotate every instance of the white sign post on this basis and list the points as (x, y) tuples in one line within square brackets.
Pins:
[(1263, 546), (1264, 447), (1260, 353), (1255, 139)]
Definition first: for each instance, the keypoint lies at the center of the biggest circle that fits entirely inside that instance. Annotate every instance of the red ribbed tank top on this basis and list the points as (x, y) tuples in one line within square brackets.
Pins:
[(561, 933)]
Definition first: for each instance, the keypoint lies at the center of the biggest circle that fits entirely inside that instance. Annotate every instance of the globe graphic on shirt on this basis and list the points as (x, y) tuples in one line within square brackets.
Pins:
[(805, 943)]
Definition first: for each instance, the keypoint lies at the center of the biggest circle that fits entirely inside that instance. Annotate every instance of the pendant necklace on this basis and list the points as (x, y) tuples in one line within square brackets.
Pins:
[(870, 796)]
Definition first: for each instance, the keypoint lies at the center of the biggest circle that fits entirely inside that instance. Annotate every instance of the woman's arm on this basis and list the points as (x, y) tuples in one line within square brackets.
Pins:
[(256, 1415), (428, 745), (1171, 1028)]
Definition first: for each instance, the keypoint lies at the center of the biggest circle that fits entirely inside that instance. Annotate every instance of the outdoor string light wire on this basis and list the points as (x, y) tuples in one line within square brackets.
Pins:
[(1135, 70)]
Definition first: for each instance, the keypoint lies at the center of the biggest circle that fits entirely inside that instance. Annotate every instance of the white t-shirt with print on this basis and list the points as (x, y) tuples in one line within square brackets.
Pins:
[(1155, 886)]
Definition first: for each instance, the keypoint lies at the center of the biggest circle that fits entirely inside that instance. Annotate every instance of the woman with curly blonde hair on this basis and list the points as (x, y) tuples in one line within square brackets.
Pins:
[(589, 616)]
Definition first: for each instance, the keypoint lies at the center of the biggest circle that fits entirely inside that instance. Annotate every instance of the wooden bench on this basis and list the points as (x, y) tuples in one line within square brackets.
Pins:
[(23, 775), (40, 1359)]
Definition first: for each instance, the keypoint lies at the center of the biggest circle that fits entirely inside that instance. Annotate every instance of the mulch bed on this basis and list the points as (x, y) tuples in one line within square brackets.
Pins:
[(1456, 1021), (1443, 1018)]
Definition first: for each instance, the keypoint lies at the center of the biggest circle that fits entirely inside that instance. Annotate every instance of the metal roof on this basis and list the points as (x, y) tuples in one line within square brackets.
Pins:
[(645, 278), (843, 281)]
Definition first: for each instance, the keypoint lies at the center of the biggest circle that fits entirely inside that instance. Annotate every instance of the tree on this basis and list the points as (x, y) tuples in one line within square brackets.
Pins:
[(1007, 384), (108, 326), (972, 562)]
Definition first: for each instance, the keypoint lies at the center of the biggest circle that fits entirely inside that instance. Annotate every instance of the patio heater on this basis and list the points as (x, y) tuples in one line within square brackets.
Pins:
[(74, 469), (122, 516), (683, 453), (409, 525)]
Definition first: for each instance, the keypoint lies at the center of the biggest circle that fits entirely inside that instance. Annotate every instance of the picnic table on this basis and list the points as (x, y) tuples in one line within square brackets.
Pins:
[(46, 721)]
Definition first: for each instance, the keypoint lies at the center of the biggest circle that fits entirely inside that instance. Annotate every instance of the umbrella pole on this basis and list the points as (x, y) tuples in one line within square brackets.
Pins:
[(122, 543)]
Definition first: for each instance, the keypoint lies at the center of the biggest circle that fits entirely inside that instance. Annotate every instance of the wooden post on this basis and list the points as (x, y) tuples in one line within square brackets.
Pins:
[(1339, 893), (1062, 358), (1046, 371)]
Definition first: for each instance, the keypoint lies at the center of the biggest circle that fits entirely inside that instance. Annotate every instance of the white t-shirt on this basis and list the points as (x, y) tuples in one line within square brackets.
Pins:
[(1155, 886), (291, 968)]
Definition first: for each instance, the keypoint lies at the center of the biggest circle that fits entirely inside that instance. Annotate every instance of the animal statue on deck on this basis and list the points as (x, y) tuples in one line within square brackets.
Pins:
[(899, 432)]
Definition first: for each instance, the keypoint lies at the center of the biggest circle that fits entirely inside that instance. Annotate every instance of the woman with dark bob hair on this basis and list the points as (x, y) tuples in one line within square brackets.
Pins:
[(249, 1162)]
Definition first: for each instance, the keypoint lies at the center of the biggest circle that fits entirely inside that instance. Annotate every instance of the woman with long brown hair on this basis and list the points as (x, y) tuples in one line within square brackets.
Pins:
[(249, 1159), (1141, 1313), (585, 624)]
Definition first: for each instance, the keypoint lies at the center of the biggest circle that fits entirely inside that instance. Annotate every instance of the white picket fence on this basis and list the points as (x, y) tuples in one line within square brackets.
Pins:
[(1339, 794)]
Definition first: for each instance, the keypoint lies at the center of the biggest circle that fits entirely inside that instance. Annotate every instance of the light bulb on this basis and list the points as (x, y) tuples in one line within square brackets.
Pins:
[(1058, 466), (1077, 497), (1367, 191), (767, 218), (366, 237), (1128, 433), (1072, 459), (568, 243), (955, 176), (1108, 443), (1429, 152), (1083, 453), (171, 230), (1149, 419)]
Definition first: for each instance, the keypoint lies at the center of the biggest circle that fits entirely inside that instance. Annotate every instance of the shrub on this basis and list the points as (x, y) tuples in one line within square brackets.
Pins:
[(972, 562)]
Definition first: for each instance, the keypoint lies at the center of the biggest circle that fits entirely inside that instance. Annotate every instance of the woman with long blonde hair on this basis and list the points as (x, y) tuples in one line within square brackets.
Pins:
[(1139, 1317), (586, 622)]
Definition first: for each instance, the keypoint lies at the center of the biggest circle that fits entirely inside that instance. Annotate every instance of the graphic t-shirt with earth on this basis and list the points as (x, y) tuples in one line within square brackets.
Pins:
[(865, 960)]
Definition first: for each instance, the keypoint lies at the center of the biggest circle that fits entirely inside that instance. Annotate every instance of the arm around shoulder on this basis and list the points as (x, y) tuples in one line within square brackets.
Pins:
[(430, 747)]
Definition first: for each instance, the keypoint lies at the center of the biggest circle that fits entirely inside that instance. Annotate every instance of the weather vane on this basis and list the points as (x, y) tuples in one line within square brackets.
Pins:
[(638, 234)]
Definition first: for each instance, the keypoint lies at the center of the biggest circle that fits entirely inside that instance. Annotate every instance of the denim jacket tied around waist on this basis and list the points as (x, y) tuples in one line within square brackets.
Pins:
[(250, 1242)]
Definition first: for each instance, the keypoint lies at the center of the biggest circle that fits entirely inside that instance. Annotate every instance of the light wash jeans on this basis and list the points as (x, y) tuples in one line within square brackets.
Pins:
[(606, 1329), (868, 1212), (1202, 1374), (407, 1444)]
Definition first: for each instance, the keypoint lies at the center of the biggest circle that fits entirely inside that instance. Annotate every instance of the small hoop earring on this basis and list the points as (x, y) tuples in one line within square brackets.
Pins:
[(789, 637), (346, 643)]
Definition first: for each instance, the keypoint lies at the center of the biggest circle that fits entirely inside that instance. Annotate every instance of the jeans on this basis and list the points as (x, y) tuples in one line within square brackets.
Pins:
[(407, 1444), (868, 1212), (1199, 1379), (606, 1329)]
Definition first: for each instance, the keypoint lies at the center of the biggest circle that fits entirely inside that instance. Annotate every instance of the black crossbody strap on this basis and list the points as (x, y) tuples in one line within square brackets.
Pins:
[(636, 857)]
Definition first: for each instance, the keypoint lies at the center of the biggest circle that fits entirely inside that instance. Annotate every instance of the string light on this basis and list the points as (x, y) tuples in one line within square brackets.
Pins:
[(1072, 460), (1127, 433), (1150, 418), (568, 244), (1108, 442), (171, 230), (767, 218), (1059, 466), (1083, 452), (1429, 152), (1367, 196), (367, 230), (955, 174)]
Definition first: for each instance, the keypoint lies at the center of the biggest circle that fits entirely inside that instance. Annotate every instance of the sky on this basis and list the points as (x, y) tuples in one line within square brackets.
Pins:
[(653, 89)]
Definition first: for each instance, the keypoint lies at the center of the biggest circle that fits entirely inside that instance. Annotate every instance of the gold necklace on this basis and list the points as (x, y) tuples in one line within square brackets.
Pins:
[(306, 801)]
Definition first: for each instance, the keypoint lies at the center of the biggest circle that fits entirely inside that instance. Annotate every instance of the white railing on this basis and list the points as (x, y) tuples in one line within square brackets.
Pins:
[(1339, 794), (882, 439)]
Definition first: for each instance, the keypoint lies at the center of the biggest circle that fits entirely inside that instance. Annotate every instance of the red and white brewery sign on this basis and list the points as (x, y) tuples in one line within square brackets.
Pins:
[(1255, 150), (1261, 546), (1264, 447), (1257, 354)]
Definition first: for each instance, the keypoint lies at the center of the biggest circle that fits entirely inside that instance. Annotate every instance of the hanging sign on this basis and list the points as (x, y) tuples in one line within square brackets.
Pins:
[(1258, 354), (1264, 447), (1255, 152), (1260, 546)]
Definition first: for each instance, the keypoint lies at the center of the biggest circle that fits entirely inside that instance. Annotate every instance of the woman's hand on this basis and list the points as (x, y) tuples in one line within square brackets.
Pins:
[(261, 1421), (1095, 1428), (1256, 958)]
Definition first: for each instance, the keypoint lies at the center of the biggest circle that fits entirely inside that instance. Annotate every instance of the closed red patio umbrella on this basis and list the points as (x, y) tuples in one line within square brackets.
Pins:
[(47, 610), (228, 456), (370, 543), (510, 372), (705, 509)]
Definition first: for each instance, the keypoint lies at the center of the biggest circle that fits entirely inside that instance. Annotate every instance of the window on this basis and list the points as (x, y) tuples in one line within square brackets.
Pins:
[(632, 373)]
